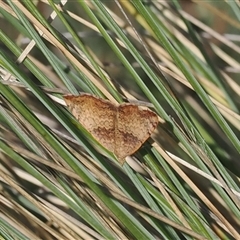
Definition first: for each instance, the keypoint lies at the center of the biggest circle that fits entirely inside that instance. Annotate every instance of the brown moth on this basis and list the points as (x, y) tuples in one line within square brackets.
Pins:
[(122, 129)]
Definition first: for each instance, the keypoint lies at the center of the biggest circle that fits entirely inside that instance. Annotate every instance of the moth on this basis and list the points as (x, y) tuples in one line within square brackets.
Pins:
[(122, 128)]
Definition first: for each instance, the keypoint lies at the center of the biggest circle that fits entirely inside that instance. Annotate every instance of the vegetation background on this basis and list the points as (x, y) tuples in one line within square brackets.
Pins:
[(179, 58)]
